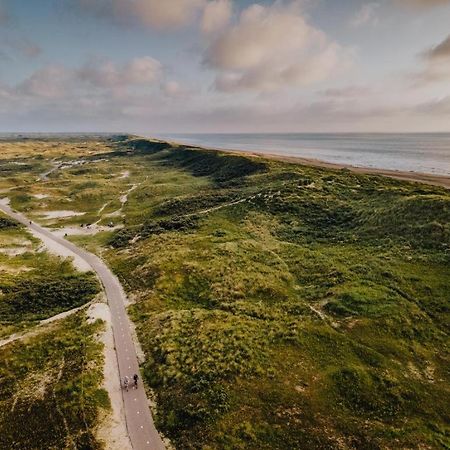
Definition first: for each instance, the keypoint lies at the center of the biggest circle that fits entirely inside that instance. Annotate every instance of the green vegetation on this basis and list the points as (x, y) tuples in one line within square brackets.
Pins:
[(279, 306), (50, 389), (31, 297), (6, 223), (50, 380), (306, 308), (35, 286)]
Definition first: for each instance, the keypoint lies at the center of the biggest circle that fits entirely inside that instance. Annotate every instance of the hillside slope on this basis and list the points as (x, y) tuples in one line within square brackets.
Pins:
[(282, 306), (279, 306)]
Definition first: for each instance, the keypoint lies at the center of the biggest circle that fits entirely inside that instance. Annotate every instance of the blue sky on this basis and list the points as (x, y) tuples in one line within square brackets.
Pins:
[(224, 66)]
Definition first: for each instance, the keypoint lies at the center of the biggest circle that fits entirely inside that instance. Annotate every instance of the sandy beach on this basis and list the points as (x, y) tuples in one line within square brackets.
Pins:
[(435, 180)]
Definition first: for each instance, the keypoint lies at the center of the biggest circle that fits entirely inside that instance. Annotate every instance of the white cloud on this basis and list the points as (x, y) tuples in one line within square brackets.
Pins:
[(366, 15), (96, 78), (138, 71), (48, 82), (99, 93), (173, 89), (216, 16), (271, 48)]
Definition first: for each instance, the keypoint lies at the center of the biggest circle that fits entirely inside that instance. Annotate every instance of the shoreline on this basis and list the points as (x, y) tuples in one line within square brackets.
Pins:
[(415, 177)]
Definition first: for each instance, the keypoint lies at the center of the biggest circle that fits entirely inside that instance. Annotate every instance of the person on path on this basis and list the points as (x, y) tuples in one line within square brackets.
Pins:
[(126, 382), (135, 378)]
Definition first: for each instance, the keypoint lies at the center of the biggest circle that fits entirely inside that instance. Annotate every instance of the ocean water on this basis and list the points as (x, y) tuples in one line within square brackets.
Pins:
[(411, 152)]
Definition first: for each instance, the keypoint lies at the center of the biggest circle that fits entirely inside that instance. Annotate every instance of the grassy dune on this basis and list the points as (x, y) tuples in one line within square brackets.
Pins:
[(278, 305), (283, 306), (50, 388)]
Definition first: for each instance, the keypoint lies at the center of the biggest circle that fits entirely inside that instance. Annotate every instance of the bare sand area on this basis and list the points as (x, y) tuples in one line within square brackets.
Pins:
[(60, 214), (59, 250)]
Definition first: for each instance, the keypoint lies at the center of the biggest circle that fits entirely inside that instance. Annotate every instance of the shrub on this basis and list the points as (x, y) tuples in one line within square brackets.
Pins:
[(6, 223)]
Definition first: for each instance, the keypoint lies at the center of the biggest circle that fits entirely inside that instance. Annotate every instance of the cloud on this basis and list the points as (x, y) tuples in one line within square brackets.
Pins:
[(28, 48), (154, 13), (216, 16), (138, 71), (57, 81), (4, 14), (367, 15), (422, 3), (96, 89), (22, 46), (440, 51), (173, 13), (436, 65), (440, 107), (270, 48), (49, 82), (348, 92), (173, 89)]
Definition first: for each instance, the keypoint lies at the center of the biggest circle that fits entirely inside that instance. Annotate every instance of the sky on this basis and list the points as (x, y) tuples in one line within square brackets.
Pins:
[(219, 66)]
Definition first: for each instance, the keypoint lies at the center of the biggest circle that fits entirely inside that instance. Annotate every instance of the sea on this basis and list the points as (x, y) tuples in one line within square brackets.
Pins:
[(407, 152)]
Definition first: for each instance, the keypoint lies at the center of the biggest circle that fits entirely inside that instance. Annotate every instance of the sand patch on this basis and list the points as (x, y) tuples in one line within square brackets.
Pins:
[(15, 247), (112, 430), (14, 251), (59, 250), (40, 196), (103, 207), (14, 270), (84, 231), (60, 214), (124, 198)]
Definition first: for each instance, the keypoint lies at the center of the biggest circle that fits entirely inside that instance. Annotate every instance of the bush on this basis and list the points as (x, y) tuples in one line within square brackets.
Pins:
[(367, 392), (145, 147), (6, 223), (123, 237)]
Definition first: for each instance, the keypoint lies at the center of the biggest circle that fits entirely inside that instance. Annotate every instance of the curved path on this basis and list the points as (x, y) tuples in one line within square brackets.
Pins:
[(142, 431)]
